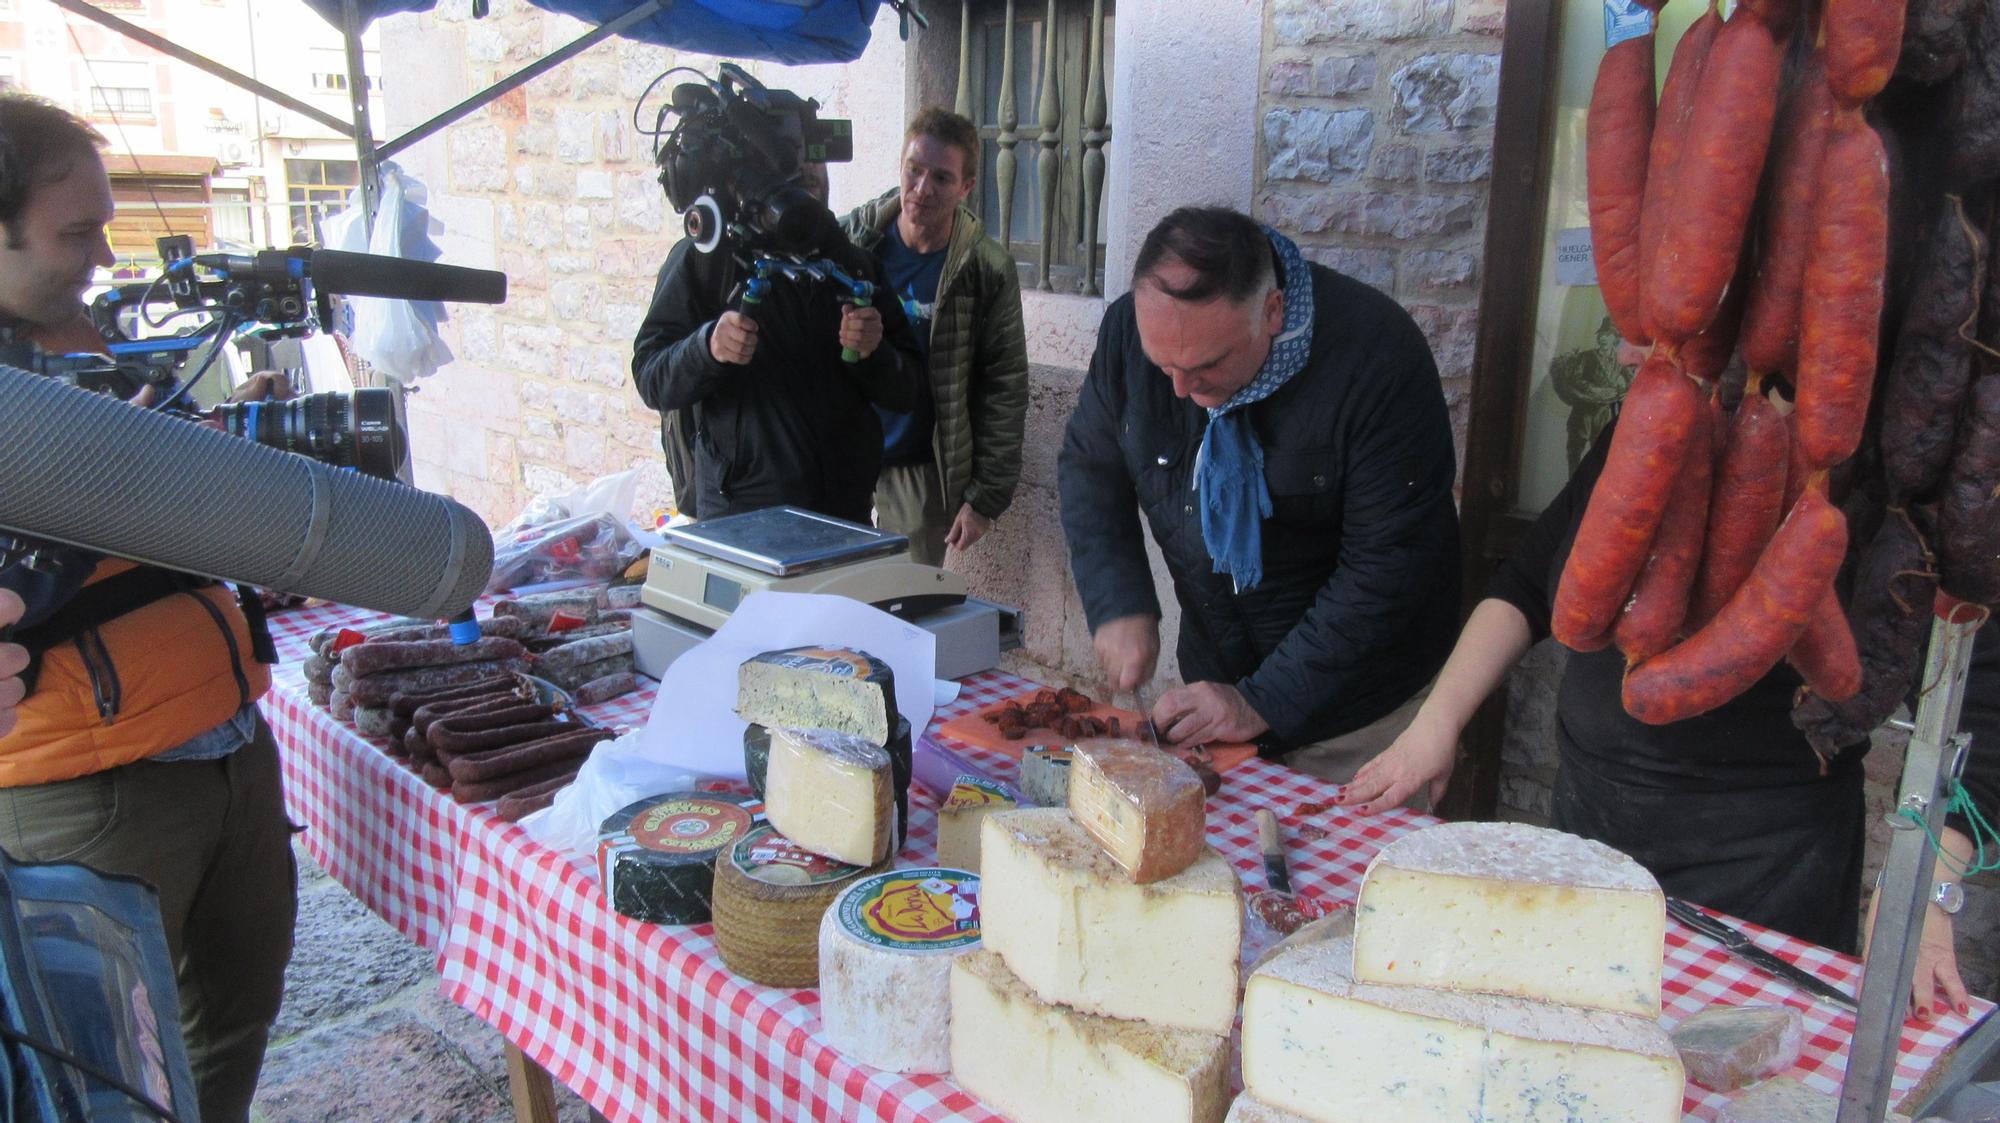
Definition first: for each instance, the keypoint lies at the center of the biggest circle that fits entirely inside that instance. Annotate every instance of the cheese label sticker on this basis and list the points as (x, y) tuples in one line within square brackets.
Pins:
[(773, 859), (689, 825), (827, 660), (920, 910), (970, 792)]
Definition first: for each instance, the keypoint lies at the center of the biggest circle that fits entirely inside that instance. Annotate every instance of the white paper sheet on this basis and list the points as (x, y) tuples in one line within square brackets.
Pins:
[(694, 724)]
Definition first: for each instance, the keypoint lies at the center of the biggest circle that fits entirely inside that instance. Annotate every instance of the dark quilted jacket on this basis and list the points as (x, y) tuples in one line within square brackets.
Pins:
[(979, 358)]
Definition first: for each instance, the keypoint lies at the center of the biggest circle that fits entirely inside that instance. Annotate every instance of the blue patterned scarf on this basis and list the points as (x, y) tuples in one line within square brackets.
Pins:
[(1229, 468)]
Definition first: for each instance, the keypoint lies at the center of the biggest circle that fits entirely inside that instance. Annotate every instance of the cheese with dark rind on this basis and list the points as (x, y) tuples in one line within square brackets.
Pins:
[(756, 756), (1037, 1062), (970, 801), (1729, 1047), (657, 856), (769, 895), (1146, 808), (832, 793), (1044, 777), (819, 688), (885, 952)]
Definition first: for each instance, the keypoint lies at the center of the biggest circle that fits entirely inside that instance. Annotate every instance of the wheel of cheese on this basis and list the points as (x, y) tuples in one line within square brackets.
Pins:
[(657, 856), (756, 756), (769, 895), (885, 952)]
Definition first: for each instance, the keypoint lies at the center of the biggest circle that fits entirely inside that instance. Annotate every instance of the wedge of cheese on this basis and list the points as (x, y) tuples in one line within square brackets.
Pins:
[(1504, 908), (1078, 932), (1250, 1109), (1038, 1063), (1320, 1044), (1145, 807), (819, 688), (831, 793), (969, 803)]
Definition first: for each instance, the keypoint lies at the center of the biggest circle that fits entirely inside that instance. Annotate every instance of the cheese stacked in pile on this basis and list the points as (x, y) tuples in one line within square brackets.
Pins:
[(1107, 983), (1497, 972)]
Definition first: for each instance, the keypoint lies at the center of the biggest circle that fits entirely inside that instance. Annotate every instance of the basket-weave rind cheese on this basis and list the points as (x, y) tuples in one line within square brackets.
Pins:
[(885, 952), (1730, 1047), (769, 895), (1079, 933), (832, 793), (1504, 908), (1039, 1063), (819, 688), (657, 856), (1146, 808), (1313, 1037), (969, 803)]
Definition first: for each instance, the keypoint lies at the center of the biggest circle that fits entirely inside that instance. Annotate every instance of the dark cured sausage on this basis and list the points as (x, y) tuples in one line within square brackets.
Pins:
[(1670, 126), (376, 656), (1932, 368), (1647, 451), (1770, 336), (1968, 536), (1617, 137), (1841, 314), (1652, 618), (1716, 181), (1754, 630), (529, 754), (377, 690)]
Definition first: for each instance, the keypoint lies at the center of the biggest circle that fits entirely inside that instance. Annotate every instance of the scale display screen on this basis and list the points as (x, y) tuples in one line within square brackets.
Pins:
[(720, 592)]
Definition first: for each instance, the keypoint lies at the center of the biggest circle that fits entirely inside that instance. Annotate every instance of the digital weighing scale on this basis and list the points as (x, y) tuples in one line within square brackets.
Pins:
[(707, 568)]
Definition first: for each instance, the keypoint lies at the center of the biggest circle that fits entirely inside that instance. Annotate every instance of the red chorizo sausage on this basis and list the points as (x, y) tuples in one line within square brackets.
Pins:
[(1825, 654), (1617, 137), (1754, 630), (1652, 619), (1647, 451), (1716, 181), (1770, 335), (1862, 40), (1670, 125), (1841, 311), (1749, 497)]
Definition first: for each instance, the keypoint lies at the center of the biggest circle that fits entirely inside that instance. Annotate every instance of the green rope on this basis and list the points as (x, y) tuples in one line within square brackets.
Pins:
[(1981, 828)]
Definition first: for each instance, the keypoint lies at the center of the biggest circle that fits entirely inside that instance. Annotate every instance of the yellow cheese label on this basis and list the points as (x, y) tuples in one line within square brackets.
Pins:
[(917, 910), (968, 792)]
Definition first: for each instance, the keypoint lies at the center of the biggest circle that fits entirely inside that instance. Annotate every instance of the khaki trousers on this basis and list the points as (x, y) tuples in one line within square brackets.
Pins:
[(909, 500), (1337, 759)]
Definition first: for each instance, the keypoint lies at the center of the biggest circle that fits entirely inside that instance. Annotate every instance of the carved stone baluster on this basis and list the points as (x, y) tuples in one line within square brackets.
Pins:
[(963, 105), (1096, 131), (1050, 115), (1010, 121)]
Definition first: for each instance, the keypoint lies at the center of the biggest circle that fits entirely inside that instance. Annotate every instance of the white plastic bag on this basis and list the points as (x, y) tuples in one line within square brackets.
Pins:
[(582, 534), (397, 337), (614, 776)]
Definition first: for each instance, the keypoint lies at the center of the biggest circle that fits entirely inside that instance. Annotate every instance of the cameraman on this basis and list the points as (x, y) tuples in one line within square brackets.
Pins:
[(138, 748), (772, 412)]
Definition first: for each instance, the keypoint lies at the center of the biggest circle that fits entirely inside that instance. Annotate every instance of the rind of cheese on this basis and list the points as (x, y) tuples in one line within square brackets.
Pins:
[(1146, 808), (1314, 1038), (831, 793), (969, 803), (1250, 1109), (1040, 1063), (1074, 929), (656, 857), (819, 688), (885, 953), (1785, 1100), (1504, 908), (1728, 1047)]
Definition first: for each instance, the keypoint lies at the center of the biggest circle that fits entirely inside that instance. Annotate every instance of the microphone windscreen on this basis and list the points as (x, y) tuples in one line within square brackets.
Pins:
[(397, 278), (88, 470)]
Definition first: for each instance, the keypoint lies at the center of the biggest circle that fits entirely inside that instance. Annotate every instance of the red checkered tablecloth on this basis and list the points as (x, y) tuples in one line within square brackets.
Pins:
[(646, 1024)]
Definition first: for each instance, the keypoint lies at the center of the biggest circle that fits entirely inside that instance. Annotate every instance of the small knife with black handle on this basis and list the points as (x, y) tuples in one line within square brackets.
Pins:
[(1276, 875), (1740, 946)]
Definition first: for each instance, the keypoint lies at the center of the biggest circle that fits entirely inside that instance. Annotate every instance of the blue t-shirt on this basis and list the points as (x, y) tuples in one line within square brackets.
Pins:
[(906, 437)]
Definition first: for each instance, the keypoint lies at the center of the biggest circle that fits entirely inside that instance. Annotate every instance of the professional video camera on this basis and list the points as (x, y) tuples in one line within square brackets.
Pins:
[(270, 295), (731, 163)]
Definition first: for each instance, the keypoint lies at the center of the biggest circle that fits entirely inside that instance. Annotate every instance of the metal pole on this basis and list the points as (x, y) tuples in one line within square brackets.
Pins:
[(1935, 753), (357, 95)]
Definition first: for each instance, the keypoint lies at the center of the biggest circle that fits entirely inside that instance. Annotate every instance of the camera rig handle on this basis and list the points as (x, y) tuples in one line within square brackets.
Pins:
[(764, 268)]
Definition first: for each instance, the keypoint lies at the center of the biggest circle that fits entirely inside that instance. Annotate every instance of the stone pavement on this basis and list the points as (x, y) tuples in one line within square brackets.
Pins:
[(365, 1035)]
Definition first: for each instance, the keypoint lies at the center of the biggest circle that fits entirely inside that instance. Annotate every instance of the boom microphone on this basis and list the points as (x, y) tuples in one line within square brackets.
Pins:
[(398, 278), (90, 471)]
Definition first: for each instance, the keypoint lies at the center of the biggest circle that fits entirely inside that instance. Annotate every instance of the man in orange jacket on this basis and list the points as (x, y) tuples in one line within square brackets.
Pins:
[(135, 746)]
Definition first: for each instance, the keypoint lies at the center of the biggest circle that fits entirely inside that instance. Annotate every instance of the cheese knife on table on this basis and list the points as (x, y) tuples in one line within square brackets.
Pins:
[(1740, 946)]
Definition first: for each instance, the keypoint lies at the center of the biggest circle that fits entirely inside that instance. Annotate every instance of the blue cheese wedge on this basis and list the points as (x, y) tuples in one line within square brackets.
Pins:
[(819, 688)]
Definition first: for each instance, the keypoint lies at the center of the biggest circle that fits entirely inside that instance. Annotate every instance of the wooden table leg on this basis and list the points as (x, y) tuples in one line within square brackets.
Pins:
[(533, 1091)]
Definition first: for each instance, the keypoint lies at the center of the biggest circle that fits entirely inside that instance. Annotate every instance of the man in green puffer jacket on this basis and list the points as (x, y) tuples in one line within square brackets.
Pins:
[(949, 467)]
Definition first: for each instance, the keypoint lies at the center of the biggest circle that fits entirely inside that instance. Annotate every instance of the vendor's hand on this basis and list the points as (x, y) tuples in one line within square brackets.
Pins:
[(1201, 712), (860, 328), (1935, 985), (1128, 647), (733, 339), (13, 660), (263, 386), (969, 527), (1422, 757)]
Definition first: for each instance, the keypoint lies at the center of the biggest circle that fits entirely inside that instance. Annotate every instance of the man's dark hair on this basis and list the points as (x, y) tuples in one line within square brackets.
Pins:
[(40, 143), (946, 127), (1229, 253)]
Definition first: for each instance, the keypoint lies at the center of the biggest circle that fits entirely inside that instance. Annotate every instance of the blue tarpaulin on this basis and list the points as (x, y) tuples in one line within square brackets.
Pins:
[(787, 31)]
